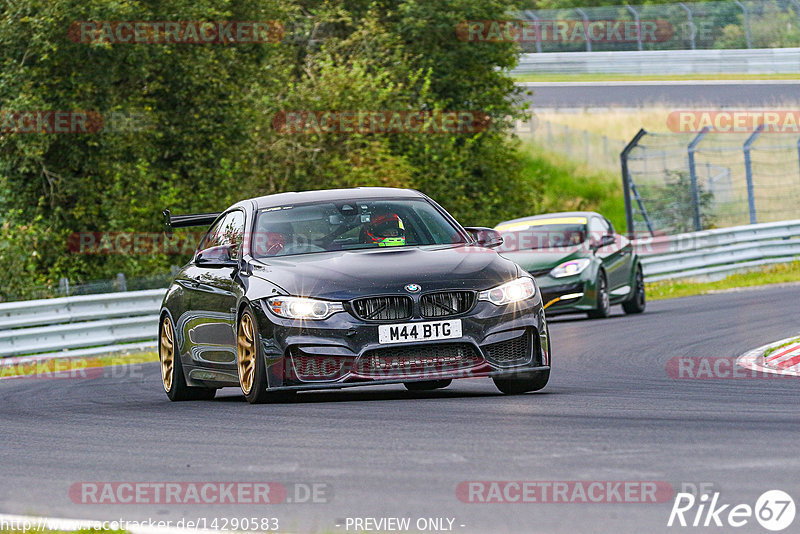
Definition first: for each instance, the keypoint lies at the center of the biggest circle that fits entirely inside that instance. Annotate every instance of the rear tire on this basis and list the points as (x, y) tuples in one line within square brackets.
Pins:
[(172, 377), (427, 385), (638, 301), (603, 307), (533, 381)]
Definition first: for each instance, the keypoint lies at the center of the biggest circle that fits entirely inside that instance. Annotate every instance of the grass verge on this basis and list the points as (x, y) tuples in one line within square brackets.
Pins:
[(775, 349), (59, 367), (554, 77), (768, 275)]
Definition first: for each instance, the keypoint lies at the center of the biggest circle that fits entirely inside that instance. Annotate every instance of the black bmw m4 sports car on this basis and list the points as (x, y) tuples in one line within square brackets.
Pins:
[(352, 287)]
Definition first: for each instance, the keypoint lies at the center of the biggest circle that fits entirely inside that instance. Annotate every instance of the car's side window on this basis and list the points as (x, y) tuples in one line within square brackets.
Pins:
[(597, 228), (228, 231)]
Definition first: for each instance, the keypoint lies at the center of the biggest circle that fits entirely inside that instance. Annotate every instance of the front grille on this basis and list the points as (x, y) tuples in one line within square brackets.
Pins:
[(383, 308), (417, 360), (446, 303), (515, 351)]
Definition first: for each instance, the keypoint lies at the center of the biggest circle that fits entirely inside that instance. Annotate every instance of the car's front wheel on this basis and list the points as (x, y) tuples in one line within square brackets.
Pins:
[(603, 306), (637, 302), (172, 377), (532, 381), (427, 385)]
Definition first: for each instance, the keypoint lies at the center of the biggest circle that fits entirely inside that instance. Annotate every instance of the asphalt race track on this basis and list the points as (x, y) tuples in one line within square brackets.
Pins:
[(611, 412), (712, 94)]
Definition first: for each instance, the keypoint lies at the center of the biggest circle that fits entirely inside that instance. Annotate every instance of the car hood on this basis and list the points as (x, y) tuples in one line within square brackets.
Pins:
[(538, 260), (343, 275)]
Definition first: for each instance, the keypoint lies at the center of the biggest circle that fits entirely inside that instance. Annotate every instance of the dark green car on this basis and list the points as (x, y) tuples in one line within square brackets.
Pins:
[(579, 262)]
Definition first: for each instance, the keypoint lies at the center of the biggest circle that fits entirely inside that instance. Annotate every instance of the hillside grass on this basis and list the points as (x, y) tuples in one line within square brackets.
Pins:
[(569, 186)]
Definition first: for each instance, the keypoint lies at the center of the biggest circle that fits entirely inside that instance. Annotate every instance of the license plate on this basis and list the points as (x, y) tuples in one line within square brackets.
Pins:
[(403, 333)]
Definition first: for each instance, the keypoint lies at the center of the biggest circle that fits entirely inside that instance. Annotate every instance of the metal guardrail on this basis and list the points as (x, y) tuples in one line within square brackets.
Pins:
[(715, 253), (82, 325), (95, 324), (664, 62)]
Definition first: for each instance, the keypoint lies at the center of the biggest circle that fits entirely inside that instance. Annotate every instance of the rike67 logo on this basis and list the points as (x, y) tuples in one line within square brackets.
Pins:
[(774, 510)]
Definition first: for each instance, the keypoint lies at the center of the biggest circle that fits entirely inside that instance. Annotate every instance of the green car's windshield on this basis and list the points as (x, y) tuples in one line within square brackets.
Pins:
[(543, 236), (350, 225)]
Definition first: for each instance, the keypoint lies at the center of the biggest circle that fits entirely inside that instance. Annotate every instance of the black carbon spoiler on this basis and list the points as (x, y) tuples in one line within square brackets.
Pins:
[(184, 221)]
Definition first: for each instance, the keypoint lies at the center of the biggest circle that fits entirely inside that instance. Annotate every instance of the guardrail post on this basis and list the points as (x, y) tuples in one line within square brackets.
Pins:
[(626, 179), (745, 22), (690, 18), (638, 26), (585, 28), (122, 284), (693, 177), (748, 169), (63, 286)]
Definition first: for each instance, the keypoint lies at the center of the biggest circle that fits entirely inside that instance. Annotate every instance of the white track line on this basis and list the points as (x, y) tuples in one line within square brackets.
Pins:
[(754, 359)]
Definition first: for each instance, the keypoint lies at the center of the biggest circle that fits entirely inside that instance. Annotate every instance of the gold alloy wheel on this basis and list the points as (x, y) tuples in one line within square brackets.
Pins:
[(246, 353), (166, 353)]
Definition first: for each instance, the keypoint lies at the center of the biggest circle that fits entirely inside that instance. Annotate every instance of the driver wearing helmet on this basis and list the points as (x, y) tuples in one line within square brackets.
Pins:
[(385, 230)]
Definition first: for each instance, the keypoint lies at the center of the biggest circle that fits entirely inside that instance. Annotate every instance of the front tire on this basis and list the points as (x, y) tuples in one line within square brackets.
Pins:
[(638, 301), (427, 385), (172, 377), (532, 381), (603, 307), (250, 364)]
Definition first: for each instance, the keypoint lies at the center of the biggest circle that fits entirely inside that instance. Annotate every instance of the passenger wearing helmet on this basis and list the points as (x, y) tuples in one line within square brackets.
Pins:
[(385, 230)]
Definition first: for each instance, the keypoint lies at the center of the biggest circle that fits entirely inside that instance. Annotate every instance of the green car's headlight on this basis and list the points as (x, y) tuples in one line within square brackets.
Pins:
[(570, 268), (514, 291), (303, 308)]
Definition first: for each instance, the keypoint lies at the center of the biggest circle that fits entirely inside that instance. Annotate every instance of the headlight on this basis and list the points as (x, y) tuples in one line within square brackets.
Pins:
[(303, 308), (569, 268), (514, 291)]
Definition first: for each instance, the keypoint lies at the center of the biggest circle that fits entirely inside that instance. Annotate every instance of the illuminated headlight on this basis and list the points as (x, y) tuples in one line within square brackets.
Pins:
[(514, 291), (569, 268), (303, 308)]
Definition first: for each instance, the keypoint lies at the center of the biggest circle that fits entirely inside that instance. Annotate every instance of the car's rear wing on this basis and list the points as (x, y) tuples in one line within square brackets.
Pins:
[(184, 221)]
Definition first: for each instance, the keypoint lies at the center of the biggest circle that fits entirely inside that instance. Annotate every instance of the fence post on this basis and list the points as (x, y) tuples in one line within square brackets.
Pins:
[(690, 18), (537, 29), (626, 179), (122, 284), (638, 26), (693, 176), (585, 28), (748, 169), (745, 22)]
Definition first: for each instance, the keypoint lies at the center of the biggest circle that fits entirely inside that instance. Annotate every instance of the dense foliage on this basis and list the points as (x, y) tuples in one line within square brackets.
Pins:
[(189, 126)]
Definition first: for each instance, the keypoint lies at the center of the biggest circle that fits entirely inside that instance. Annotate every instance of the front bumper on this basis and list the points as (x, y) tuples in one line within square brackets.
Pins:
[(344, 351)]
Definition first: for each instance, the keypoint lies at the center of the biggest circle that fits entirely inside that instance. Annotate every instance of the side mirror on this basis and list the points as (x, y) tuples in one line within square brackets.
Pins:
[(219, 256), (485, 237), (605, 241)]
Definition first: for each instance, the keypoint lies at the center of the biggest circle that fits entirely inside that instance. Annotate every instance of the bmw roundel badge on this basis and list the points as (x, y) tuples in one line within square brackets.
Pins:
[(413, 288)]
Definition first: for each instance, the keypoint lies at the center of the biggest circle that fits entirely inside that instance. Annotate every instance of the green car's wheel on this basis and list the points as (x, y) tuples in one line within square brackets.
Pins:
[(637, 302), (603, 308), (533, 381), (427, 385), (172, 377)]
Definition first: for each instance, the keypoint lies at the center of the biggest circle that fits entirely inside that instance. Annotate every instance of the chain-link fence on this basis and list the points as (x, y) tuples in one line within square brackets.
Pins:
[(66, 288), (673, 26), (688, 182)]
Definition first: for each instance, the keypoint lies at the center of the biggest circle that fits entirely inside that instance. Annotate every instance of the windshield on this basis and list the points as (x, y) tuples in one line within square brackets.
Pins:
[(350, 225), (543, 237)]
